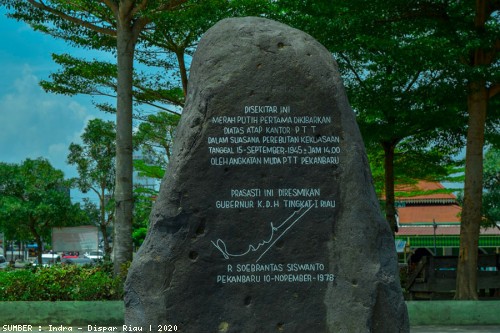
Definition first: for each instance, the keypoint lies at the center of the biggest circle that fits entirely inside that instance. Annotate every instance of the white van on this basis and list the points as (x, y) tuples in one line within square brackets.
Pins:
[(48, 259)]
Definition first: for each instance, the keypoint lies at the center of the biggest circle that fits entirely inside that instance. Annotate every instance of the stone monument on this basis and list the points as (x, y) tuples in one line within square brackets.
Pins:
[(267, 220)]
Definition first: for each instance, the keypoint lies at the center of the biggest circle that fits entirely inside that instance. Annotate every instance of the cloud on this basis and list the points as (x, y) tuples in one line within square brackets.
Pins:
[(34, 123)]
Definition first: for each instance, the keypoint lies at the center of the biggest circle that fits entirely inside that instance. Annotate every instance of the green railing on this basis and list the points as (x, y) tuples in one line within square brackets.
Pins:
[(448, 241)]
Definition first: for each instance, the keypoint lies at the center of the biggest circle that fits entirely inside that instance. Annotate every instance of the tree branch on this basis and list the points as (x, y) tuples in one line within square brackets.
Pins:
[(111, 5), (496, 47), (351, 68), (161, 108), (419, 11), (493, 5), (172, 4), (143, 20), (139, 7), (408, 87), (72, 19), (493, 90), (96, 191)]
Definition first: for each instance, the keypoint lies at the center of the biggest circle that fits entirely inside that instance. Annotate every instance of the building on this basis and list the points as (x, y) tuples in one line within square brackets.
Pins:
[(429, 221)]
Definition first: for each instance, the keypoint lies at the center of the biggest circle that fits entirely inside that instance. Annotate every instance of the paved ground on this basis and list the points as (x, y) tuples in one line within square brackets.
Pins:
[(62, 328), (59, 328), (414, 329), (455, 329)]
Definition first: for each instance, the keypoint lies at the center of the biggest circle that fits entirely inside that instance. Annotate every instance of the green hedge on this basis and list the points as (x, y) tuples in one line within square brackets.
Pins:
[(60, 283)]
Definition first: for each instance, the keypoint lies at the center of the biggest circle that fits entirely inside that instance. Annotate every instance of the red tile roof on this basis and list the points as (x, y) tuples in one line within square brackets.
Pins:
[(429, 213), (419, 212)]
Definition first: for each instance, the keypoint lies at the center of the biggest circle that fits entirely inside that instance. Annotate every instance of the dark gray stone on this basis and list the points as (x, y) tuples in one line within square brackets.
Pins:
[(267, 220)]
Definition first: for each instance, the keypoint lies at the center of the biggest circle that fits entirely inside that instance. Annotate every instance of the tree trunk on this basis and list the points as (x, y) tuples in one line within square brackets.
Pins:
[(477, 102), (103, 223), (104, 232), (122, 242), (182, 70), (390, 209), (39, 244), (477, 105), (12, 252), (38, 240)]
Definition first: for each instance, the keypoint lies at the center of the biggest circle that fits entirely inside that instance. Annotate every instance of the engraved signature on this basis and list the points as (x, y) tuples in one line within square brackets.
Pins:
[(266, 244)]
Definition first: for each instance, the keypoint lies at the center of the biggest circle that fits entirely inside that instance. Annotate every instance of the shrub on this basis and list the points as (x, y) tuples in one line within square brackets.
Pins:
[(60, 283), (16, 285)]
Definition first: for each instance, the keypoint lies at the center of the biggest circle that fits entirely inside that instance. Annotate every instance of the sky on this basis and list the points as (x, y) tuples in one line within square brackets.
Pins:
[(34, 123)]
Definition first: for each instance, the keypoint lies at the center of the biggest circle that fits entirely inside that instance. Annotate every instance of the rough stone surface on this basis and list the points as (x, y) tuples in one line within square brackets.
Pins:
[(267, 220)]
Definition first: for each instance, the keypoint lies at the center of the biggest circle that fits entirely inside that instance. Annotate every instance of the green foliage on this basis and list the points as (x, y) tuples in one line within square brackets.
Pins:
[(143, 199), (397, 69), (60, 283), (162, 48), (34, 197), (81, 77), (95, 159), (110, 25), (139, 235), (98, 78), (62, 19), (491, 181), (17, 285), (155, 138), (124, 270), (95, 162), (413, 163), (147, 170)]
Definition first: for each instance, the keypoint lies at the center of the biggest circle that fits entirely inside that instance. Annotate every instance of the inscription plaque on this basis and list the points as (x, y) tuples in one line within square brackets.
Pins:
[(266, 219)]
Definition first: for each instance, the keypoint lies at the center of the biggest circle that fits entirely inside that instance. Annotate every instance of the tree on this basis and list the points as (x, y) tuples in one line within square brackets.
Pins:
[(166, 46), (34, 198), (144, 200), (460, 42), (98, 78), (409, 119), (115, 25), (483, 83), (95, 162), (155, 137)]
